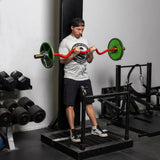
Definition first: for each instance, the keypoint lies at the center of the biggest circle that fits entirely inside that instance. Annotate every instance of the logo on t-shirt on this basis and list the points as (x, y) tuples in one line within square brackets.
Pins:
[(80, 58)]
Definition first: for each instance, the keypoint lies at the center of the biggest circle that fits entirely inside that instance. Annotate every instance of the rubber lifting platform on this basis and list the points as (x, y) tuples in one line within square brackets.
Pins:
[(142, 124), (95, 145)]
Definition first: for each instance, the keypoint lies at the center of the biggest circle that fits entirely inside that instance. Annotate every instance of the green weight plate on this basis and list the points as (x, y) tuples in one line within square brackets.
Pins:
[(116, 43), (48, 52)]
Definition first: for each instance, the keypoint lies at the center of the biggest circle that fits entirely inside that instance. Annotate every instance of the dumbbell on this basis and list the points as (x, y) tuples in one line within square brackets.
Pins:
[(7, 82), (22, 82), (5, 117), (19, 114), (37, 113)]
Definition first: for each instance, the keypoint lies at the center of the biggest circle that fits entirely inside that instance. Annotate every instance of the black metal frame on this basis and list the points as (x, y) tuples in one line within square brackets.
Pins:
[(148, 80), (149, 90), (144, 123), (125, 93)]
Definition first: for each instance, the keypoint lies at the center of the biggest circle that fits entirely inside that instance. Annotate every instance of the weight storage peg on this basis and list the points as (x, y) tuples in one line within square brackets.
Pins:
[(47, 55), (19, 114), (37, 113), (22, 82), (5, 117), (7, 82)]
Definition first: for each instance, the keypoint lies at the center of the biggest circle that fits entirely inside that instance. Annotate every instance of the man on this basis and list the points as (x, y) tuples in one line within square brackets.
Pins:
[(75, 75)]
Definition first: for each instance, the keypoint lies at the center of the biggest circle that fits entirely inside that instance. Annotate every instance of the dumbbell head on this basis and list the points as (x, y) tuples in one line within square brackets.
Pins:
[(37, 113), (8, 83), (22, 82), (16, 74), (19, 114), (3, 74), (25, 101), (10, 104), (5, 117)]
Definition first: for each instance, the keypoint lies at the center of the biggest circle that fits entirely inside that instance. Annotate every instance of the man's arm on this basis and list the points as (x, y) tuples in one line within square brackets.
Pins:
[(90, 55), (68, 59)]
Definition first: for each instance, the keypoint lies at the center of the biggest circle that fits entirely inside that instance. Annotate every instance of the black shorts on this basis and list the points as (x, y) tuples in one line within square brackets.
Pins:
[(71, 89)]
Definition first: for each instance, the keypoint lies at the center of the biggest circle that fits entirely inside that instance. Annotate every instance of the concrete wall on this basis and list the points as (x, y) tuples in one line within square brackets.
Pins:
[(26, 24), (136, 24)]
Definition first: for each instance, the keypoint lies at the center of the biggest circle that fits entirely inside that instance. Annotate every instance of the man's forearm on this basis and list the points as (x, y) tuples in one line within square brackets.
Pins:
[(90, 57), (68, 59)]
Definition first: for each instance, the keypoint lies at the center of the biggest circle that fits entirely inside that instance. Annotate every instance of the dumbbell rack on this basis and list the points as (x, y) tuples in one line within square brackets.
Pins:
[(10, 139), (9, 129)]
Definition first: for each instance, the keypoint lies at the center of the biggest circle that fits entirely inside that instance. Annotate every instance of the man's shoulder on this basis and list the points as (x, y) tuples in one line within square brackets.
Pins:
[(67, 37), (84, 38)]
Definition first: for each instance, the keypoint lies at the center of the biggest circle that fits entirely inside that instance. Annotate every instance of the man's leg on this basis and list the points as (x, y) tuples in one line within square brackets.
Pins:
[(91, 114), (70, 116), (96, 130)]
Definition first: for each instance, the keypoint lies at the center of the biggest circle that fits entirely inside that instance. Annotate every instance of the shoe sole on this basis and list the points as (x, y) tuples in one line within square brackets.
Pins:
[(100, 135), (76, 141)]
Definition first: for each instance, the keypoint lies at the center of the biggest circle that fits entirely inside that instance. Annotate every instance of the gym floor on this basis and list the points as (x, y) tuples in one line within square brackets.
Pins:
[(29, 146)]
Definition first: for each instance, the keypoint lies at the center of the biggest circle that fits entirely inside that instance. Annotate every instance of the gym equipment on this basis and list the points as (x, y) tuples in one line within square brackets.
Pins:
[(46, 55), (19, 114), (90, 145), (22, 82), (145, 122), (115, 50), (5, 117), (119, 49), (7, 82), (37, 113)]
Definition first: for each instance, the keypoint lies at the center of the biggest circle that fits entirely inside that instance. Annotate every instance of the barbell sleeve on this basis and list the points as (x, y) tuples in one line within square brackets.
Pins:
[(38, 56)]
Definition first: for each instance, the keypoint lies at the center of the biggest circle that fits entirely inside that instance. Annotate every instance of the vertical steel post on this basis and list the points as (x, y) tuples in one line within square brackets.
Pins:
[(83, 119), (126, 137), (118, 82), (149, 76)]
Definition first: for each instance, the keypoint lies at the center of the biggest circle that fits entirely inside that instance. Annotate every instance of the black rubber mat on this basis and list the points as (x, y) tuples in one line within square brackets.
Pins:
[(94, 145)]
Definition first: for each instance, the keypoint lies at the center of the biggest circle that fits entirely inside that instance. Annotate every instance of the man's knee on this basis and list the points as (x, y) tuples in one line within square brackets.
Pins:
[(69, 108), (89, 106)]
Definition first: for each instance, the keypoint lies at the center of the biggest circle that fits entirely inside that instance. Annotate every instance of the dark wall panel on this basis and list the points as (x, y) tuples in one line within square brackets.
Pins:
[(69, 9)]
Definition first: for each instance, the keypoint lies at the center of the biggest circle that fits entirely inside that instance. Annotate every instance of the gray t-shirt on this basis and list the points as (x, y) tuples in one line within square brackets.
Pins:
[(76, 68)]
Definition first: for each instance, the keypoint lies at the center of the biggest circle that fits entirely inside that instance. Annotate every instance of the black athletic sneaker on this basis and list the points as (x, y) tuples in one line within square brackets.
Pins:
[(99, 132), (74, 137)]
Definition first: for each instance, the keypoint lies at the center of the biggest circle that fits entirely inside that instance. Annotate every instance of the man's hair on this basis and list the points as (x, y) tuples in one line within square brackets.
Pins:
[(76, 22)]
